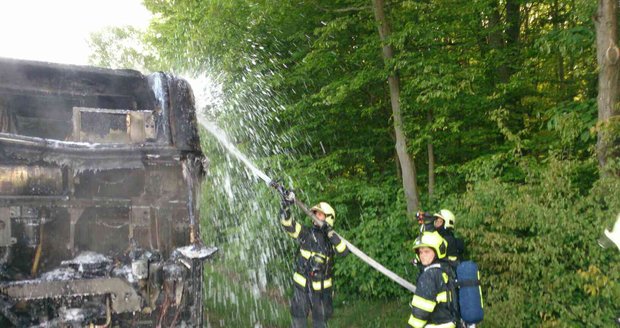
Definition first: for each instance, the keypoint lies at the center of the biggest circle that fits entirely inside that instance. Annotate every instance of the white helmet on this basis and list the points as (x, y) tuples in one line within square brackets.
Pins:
[(448, 218), (614, 234)]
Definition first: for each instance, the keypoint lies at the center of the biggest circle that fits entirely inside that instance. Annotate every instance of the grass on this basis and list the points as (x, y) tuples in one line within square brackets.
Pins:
[(369, 314), (230, 303)]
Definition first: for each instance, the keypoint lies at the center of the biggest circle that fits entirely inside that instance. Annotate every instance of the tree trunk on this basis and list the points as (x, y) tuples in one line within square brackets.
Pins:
[(556, 21), (406, 162), (496, 42), (513, 22), (607, 54), (513, 26), (431, 158)]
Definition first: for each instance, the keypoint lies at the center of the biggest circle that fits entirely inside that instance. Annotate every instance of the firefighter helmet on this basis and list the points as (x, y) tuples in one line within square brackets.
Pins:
[(432, 240), (330, 214), (447, 217), (614, 234)]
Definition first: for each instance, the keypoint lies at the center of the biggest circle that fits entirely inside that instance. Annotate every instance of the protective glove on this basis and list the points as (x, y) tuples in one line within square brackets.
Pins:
[(331, 234), (288, 197)]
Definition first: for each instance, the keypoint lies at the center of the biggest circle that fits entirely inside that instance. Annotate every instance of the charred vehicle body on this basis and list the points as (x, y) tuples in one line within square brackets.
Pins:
[(99, 173)]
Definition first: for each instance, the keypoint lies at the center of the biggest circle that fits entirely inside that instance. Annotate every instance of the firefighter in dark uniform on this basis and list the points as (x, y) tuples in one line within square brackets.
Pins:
[(431, 303), (313, 277), (444, 224)]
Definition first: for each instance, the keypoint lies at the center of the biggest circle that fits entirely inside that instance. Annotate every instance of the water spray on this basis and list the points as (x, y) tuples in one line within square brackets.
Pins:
[(221, 137)]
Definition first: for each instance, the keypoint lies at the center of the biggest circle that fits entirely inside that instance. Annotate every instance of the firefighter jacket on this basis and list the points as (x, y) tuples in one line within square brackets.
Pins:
[(456, 247), (431, 303), (315, 263)]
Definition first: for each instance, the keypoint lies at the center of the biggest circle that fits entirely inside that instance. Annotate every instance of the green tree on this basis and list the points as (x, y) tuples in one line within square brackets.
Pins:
[(499, 108), (407, 165), (123, 47)]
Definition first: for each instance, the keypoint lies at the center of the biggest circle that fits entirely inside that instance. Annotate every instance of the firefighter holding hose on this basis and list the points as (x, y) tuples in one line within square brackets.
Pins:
[(313, 276)]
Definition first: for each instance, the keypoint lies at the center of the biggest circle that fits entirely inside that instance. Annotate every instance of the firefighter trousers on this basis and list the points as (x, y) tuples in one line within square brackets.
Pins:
[(317, 302)]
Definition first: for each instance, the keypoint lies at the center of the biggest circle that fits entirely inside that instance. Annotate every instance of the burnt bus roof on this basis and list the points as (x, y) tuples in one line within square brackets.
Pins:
[(117, 88), (69, 103)]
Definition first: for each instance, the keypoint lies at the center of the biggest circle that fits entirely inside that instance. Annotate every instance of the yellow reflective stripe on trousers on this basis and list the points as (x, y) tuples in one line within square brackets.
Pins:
[(415, 322), (442, 297), (422, 303), (318, 285), (441, 325), (341, 247), (297, 230), (298, 278)]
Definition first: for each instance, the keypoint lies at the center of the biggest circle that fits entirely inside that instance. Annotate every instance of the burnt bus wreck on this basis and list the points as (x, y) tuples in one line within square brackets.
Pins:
[(99, 173)]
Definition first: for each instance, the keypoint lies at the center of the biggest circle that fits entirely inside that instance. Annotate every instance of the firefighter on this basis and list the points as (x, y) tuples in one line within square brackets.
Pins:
[(431, 305), (313, 277), (444, 224)]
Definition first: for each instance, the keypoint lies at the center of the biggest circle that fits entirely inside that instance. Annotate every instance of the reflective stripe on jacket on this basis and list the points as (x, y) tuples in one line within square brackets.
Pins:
[(315, 262), (430, 306), (456, 246)]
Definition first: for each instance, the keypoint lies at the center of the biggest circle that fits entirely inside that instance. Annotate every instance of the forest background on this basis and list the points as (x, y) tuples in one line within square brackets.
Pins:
[(503, 111)]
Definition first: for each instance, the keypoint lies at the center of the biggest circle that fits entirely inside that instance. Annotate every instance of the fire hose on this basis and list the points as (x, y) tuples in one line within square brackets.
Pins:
[(217, 133), (356, 251)]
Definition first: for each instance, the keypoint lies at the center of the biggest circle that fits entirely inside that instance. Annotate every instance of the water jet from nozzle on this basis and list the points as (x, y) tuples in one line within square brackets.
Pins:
[(221, 137)]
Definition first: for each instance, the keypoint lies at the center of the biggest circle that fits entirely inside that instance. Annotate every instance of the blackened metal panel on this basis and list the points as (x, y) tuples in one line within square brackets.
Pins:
[(183, 123)]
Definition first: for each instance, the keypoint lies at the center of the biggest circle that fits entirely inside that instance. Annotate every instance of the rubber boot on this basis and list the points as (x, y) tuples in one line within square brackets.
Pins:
[(300, 322)]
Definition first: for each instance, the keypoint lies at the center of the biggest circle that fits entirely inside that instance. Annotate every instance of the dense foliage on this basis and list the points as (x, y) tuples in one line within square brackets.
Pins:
[(503, 90)]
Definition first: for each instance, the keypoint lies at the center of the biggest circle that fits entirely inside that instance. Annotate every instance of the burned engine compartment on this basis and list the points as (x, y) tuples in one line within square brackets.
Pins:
[(99, 178)]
